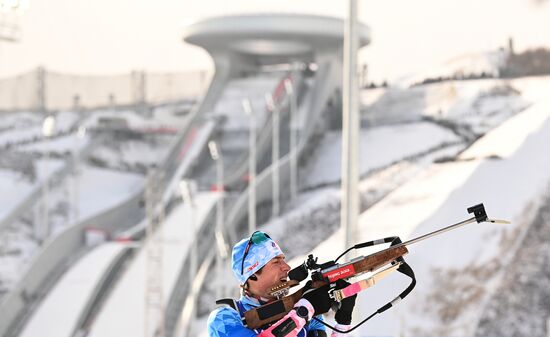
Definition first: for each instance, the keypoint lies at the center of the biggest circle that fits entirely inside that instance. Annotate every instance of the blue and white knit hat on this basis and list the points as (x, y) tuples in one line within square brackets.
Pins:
[(261, 249)]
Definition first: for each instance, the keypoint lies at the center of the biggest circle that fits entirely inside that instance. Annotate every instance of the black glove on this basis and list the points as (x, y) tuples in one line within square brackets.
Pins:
[(343, 314), (318, 297)]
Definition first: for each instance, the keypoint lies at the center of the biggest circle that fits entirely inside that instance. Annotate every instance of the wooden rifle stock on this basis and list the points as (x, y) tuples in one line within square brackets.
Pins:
[(381, 258), (363, 264), (273, 311)]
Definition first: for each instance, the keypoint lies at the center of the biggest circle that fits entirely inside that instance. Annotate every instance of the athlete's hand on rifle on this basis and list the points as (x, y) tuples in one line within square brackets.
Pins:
[(343, 314), (318, 297)]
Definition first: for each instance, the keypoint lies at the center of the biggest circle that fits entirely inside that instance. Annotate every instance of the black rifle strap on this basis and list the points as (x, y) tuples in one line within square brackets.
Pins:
[(229, 302), (232, 304), (390, 239), (405, 269)]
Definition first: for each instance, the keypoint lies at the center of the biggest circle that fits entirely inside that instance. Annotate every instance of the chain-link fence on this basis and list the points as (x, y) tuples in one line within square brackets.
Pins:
[(44, 90)]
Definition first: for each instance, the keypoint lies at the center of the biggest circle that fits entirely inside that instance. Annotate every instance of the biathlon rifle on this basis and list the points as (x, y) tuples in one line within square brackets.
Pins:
[(380, 264)]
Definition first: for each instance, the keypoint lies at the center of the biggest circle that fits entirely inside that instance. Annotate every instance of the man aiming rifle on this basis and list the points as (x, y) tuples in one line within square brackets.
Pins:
[(259, 264), (260, 267)]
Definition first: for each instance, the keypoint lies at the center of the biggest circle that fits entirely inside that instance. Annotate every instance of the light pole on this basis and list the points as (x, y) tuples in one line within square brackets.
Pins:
[(274, 154), (154, 318), (80, 134), (350, 130), (187, 188), (48, 129), (215, 153), (251, 167), (293, 154)]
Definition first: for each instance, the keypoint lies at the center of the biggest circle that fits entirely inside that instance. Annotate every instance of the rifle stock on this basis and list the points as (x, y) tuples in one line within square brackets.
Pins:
[(273, 311), (379, 259)]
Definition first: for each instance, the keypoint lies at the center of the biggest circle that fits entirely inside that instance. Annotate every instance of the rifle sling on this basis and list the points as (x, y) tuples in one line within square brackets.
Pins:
[(361, 285), (405, 269)]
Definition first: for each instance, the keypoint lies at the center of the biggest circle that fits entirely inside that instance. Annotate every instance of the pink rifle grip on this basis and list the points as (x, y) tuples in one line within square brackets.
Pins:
[(352, 289)]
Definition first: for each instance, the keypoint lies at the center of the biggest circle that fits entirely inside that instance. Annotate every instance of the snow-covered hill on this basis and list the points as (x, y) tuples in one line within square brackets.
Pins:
[(500, 162), (428, 152), (112, 173), (483, 64), (459, 273)]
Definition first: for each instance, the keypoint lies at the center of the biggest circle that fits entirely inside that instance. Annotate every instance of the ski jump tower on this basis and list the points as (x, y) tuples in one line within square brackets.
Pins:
[(244, 43)]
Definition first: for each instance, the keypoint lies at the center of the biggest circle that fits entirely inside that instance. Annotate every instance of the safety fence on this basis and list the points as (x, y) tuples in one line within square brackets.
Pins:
[(45, 90)]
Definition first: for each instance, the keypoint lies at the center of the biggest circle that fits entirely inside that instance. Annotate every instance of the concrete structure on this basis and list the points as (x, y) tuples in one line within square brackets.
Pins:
[(247, 42), (247, 45)]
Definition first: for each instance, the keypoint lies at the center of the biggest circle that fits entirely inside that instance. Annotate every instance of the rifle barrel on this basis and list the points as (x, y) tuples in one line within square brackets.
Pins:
[(437, 232)]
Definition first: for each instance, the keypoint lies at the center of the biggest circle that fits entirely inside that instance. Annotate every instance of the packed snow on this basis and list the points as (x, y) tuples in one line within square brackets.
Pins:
[(126, 305), (458, 273), (98, 190), (64, 145), (74, 290), (464, 66), (428, 153), (25, 127), (85, 190), (472, 107), (14, 186), (18, 247), (132, 152), (17, 186), (379, 148), (519, 306), (163, 119)]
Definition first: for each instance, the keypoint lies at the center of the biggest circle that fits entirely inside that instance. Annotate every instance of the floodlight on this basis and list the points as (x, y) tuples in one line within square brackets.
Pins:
[(247, 107), (269, 102), (185, 190), (214, 151), (288, 86), (81, 132), (48, 127)]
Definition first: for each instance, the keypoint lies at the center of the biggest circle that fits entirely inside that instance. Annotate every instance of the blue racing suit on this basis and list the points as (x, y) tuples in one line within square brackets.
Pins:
[(228, 322)]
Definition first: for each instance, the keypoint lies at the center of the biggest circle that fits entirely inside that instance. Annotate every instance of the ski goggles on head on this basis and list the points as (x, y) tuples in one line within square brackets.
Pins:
[(256, 238), (252, 253)]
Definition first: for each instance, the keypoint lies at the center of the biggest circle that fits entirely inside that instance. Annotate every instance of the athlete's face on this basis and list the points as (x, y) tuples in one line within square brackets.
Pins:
[(274, 272)]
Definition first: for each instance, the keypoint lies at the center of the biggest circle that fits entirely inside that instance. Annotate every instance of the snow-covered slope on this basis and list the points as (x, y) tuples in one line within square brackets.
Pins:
[(83, 192), (379, 148), (124, 312), (69, 297), (459, 272), (477, 105), (519, 306), (470, 65), (404, 193), (99, 189)]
